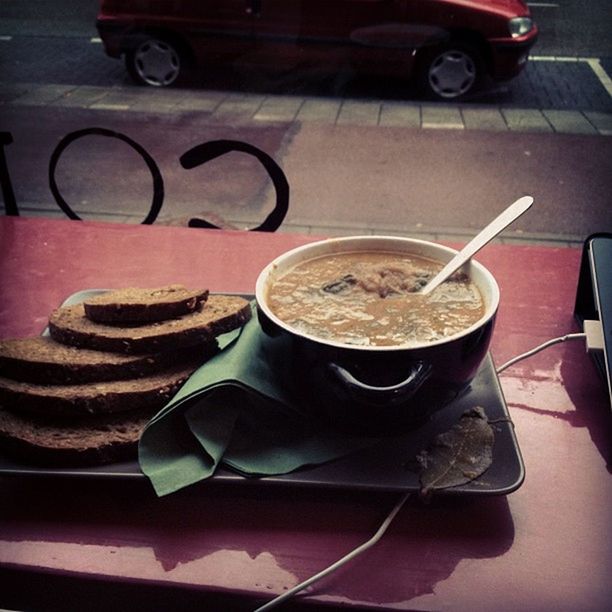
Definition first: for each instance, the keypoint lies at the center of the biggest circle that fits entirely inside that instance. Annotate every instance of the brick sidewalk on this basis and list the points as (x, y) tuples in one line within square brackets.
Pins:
[(243, 107)]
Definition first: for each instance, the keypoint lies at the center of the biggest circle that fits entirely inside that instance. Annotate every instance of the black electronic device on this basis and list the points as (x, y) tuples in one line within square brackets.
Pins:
[(593, 308)]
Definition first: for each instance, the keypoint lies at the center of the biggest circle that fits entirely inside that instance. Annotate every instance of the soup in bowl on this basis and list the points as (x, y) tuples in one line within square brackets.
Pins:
[(364, 343)]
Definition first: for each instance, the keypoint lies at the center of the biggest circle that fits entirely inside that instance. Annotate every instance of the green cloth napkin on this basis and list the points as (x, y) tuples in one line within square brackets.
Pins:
[(237, 410)]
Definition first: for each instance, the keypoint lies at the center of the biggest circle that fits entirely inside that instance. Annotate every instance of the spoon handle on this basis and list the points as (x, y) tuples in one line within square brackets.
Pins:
[(511, 213)]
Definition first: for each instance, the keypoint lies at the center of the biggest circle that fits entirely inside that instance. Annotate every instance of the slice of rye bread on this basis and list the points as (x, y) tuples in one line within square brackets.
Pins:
[(144, 305), (220, 314), (42, 360), (94, 398), (94, 441)]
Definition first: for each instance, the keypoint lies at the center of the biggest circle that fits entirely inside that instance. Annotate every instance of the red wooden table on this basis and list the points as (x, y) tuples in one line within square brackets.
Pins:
[(546, 546)]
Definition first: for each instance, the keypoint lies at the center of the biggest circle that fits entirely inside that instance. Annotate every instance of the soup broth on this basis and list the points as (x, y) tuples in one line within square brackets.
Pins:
[(369, 298)]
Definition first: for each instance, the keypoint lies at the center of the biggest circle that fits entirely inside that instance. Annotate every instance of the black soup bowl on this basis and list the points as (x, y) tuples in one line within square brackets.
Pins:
[(379, 388)]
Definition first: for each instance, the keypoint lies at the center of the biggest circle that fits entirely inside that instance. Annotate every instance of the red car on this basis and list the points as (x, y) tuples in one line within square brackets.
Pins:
[(448, 45)]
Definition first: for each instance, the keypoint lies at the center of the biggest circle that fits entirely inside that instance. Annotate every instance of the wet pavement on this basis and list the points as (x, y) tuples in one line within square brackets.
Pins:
[(353, 167), (361, 155), (548, 81)]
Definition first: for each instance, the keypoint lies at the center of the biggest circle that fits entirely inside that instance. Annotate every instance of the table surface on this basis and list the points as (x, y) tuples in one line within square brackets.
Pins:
[(546, 546)]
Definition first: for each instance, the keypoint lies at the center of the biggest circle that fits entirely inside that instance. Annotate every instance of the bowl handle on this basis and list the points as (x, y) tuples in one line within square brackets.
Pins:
[(393, 394)]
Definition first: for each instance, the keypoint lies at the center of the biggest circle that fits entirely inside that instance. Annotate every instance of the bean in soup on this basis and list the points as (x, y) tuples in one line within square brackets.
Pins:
[(369, 298)]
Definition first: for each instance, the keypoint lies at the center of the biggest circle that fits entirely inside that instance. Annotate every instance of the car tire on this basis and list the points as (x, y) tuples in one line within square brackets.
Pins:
[(450, 72), (155, 61)]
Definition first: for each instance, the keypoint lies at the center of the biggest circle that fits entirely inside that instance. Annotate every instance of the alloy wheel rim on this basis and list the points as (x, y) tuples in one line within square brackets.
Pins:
[(157, 63), (452, 74)]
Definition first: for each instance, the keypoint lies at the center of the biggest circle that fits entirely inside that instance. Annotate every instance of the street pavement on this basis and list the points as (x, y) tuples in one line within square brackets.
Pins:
[(359, 157), (548, 81)]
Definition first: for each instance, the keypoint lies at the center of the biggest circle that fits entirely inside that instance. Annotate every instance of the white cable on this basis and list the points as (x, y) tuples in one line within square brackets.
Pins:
[(537, 349), (334, 566), (385, 524)]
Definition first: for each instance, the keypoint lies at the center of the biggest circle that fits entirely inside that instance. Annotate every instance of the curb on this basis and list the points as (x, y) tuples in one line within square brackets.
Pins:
[(239, 108)]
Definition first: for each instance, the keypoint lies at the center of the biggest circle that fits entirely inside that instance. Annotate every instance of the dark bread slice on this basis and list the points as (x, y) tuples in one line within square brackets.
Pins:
[(220, 314), (94, 441), (42, 360), (144, 305), (95, 398)]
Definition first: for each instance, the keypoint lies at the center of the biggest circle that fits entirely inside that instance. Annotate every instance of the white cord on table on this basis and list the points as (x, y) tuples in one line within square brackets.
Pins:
[(537, 349), (334, 566), (385, 524)]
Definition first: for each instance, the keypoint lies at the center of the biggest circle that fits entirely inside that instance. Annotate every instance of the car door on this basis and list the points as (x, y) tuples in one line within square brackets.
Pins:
[(322, 20), (217, 29), (330, 30)]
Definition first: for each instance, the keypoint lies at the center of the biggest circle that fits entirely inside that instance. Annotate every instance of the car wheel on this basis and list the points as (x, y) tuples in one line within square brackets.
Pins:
[(155, 62), (450, 72)]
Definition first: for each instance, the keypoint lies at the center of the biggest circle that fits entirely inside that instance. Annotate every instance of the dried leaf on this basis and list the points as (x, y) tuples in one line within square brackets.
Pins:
[(458, 455)]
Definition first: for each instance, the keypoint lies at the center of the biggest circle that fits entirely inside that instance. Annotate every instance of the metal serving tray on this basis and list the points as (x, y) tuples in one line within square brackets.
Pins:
[(387, 466)]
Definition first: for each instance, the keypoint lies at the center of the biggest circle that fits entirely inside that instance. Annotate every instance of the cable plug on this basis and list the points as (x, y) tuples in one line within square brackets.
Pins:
[(594, 336)]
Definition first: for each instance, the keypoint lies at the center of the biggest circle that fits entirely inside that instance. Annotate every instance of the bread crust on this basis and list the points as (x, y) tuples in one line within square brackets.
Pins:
[(220, 314), (42, 360), (94, 398), (94, 441), (144, 305)]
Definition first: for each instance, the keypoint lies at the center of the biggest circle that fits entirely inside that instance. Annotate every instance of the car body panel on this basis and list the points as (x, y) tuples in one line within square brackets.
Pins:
[(383, 36)]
